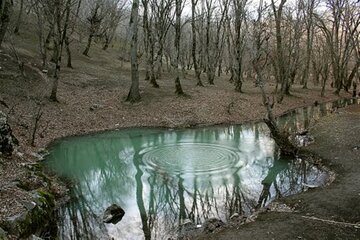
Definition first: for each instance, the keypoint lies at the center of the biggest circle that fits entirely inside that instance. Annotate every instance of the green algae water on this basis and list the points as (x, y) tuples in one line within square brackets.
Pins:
[(166, 179)]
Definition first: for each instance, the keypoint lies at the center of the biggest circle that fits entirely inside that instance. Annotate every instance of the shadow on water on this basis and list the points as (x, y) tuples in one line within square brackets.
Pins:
[(166, 179)]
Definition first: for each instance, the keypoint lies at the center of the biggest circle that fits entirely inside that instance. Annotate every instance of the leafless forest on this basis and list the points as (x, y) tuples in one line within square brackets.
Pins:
[(282, 41)]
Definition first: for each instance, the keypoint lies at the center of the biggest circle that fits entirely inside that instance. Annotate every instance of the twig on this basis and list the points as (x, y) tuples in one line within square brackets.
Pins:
[(355, 225), (2, 102), (230, 105), (20, 63), (11, 110), (36, 124), (44, 128)]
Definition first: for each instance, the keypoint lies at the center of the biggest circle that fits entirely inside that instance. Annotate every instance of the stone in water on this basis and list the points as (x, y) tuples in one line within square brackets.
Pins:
[(113, 214)]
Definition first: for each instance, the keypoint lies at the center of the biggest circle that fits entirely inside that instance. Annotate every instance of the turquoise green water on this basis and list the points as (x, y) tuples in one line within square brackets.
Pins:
[(164, 178)]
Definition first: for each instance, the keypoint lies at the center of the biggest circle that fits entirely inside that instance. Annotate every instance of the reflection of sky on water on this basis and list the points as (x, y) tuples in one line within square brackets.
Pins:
[(158, 177)]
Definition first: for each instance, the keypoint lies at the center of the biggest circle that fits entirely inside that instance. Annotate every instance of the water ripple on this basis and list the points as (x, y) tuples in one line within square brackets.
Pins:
[(191, 158)]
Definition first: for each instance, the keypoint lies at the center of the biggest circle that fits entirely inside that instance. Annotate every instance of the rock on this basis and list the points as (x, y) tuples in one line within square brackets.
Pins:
[(34, 237), (96, 106), (187, 222), (187, 229), (113, 214), (43, 152), (309, 186), (37, 156), (212, 224), (7, 140), (38, 216), (29, 205)]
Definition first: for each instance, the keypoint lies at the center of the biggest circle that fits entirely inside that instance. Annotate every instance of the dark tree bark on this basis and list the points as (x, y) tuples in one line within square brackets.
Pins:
[(5, 13), (60, 36), (193, 49), (309, 12), (72, 30), (149, 46), (239, 7), (259, 61), (95, 21), (178, 10), (280, 66), (134, 93), (18, 21), (68, 52)]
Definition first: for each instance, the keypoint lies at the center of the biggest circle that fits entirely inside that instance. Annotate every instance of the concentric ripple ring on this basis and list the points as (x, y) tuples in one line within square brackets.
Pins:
[(192, 158)]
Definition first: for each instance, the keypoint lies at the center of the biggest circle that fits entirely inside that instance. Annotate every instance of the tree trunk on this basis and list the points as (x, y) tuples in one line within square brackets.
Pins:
[(209, 70), (305, 75), (106, 44), (149, 47), (193, 49), (280, 58), (324, 75), (59, 40), (354, 89), (88, 45), (53, 95), (134, 93), (178, 10), (18, 21), (230, 51), (146, 39), (94, 23), (310, 5), (281, 139), (68, 52), (5, 13), (239, 6)]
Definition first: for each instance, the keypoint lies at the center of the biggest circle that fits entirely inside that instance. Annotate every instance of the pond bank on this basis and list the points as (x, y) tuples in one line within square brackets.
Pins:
[(332, 212)]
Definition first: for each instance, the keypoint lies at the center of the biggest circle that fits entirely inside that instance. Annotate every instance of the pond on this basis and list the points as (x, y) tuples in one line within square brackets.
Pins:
[(165, 178)]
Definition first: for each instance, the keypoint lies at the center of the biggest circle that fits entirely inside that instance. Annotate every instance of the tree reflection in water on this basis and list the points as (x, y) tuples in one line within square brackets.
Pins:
[(160, 198)]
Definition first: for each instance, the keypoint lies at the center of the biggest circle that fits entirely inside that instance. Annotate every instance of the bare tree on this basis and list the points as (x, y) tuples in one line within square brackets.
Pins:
[(45, 26), (294, 32), (150, 42), (308, 10), (240, 14), (279, 60), (214, 40), (193, 49), (61, 17), (339, 37), (178, 11), (5, 13), (259, 61), (94, 20), (73, 22), (18, 20), (163, 16), (114, 14), (321, 61), (134, 93)]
